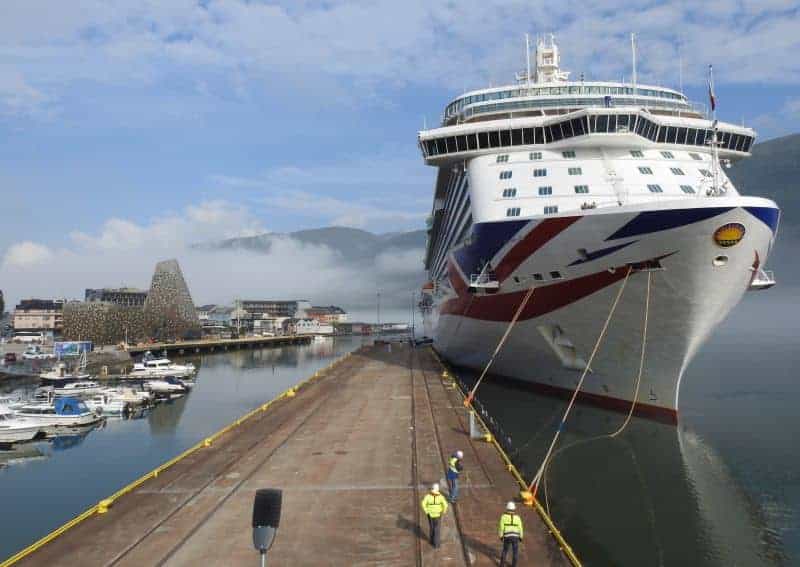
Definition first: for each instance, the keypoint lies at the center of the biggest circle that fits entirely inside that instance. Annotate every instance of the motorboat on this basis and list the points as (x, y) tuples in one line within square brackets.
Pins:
[(35, 352), (15, 429), (169, 385), (60, 412), (82, 388), (130, 396), (151, 367), (61, 374), (106, 404)]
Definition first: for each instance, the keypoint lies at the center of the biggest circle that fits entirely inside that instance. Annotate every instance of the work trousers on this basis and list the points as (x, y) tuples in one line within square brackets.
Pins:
[(452, 483), (513, 544), (434, 528)]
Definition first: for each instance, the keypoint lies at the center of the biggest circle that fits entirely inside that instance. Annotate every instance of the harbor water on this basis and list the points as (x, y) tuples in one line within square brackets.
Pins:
[(44, 484), (723, 488)]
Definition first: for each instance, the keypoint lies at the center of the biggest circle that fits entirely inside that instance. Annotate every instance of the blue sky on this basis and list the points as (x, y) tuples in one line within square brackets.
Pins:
[(138, 124)]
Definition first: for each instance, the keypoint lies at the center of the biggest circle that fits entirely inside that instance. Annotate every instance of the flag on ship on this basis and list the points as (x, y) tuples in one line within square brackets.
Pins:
[(711, 96)]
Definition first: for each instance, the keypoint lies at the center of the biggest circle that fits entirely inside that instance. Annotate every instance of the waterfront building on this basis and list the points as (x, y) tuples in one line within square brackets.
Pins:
[(327, 314), (126, 296), (43, 315)]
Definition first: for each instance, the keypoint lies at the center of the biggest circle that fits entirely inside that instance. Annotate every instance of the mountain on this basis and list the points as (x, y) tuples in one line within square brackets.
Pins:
[(354, 245), (773, 171)]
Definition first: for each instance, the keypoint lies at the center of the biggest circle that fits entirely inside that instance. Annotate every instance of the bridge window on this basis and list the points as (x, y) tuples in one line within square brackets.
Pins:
[(554, 133), (688, 189), (539, 172), (461, 143), (505, 138), (676, 170), (513, 212), (645, 171), (538, 133), (575, 171), (535, 155), (551, 210), (472, 142), (545, 190), (516, 137), (511, 192), (580, 189), (506, 174), (655, 188), (527, 136), (494, 139), (569, 154), (668, 155), (483, 140), (637, 154), (502, 159), (681, 139)]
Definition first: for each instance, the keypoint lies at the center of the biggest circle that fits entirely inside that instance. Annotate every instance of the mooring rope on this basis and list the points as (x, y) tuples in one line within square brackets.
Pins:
[(534, 486), (471, 396)]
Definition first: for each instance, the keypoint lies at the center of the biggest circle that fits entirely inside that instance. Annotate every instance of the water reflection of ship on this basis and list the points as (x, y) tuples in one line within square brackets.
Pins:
[(164, 418), (68, 437), (19, 454), (672, 502)]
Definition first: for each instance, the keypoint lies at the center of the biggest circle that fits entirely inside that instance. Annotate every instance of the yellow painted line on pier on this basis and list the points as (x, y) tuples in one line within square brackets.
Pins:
[(102, 506), (551, 526)]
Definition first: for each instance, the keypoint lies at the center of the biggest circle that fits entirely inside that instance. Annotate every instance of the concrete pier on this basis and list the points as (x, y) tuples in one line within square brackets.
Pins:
[(354, 452)]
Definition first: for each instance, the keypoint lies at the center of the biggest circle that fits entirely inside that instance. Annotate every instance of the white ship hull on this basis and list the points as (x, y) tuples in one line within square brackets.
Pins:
[(695, 285)]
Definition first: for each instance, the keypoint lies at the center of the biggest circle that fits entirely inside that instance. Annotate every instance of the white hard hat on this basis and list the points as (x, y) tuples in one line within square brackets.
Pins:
[(459, 454), (435, 487), (511, 506)]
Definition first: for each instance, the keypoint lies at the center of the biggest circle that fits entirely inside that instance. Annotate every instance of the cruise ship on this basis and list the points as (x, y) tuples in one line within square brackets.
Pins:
[(575, 188)]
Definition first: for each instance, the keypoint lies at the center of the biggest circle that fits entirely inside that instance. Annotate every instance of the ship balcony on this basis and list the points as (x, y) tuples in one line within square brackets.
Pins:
[(762, 279), (485, 282)]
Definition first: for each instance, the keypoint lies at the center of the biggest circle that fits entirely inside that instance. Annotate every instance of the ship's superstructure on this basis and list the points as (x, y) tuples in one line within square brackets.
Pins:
[(565, 186)]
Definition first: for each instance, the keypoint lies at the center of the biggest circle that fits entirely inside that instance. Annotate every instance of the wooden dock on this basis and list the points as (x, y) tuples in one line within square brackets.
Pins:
[(354, 451), (211, 345)]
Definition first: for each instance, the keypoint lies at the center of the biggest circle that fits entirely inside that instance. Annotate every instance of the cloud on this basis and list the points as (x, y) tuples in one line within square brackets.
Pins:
[(124, 252), (26, 254), (782, 121), (351, 53)]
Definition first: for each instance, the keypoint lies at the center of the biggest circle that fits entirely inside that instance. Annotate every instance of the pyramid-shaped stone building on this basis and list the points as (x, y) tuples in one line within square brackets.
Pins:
[(169, 309)]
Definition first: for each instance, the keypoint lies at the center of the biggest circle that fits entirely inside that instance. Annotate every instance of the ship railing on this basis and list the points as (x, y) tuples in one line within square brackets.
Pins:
[(763, 279)]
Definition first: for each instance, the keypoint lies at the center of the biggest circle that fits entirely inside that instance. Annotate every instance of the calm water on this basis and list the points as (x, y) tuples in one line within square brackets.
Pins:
[(721, 489), (46, 484)]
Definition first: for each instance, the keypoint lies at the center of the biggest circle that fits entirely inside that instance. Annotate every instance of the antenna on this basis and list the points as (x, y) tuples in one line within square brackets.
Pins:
[(680, 63), (528, 58), (633, 57)]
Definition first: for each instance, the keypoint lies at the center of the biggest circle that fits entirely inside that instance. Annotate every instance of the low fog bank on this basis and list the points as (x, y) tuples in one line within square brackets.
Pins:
[(289, 270)]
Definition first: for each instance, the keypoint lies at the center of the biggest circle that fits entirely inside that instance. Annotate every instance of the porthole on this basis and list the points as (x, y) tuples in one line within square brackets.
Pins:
[(720, 260)]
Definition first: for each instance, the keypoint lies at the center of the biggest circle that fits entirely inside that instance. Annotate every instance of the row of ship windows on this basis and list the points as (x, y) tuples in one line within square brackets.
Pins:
[(545, 190), (516, 211), (570, 154), (600, 124), (644, 170)]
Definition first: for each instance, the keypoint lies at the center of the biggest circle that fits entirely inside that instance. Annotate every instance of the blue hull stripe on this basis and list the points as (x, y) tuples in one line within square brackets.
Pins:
[(768, 215), (654, 221), (602, 252), (487, 239)]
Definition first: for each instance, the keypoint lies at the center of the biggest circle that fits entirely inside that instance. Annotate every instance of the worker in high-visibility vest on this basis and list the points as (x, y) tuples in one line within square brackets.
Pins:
[(454, 468), (510, 532), (435, 506)]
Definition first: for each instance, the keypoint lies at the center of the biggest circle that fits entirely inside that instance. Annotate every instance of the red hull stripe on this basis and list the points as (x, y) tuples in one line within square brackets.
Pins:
[(540, 235), (501, 307)]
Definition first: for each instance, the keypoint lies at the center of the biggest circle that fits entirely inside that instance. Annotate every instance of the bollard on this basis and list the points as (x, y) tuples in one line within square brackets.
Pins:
[(290, 393), (207, 442), (104, 505)]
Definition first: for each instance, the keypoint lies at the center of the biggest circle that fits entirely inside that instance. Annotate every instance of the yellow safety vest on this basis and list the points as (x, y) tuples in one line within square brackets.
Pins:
[(452, 465), (510, 525), (434, 505)]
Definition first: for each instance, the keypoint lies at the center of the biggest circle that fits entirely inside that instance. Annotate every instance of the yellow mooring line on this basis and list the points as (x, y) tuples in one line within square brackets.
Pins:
[(524, 494), (103, 506)]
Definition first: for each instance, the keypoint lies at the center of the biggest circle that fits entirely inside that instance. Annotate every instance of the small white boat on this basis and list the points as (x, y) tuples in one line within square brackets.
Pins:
[(151, 367), (15, 429), (129, 395), (106, 404), (82, 388), (61, 412), (169, 385), (61, 374)]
